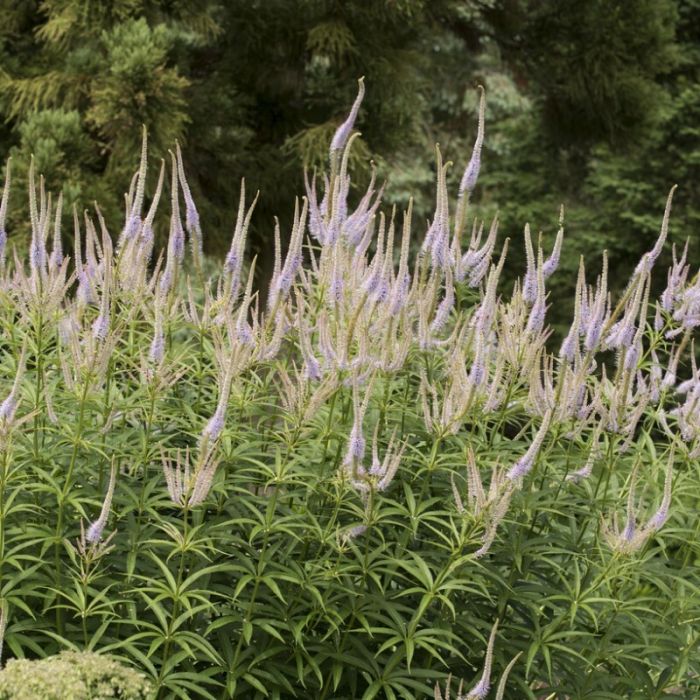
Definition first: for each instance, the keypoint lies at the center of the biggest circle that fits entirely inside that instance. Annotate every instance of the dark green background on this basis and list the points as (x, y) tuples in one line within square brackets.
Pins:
[(594, 104)]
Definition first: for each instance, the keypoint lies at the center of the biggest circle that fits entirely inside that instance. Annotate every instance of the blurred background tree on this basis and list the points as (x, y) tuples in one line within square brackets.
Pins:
[(591, 104)]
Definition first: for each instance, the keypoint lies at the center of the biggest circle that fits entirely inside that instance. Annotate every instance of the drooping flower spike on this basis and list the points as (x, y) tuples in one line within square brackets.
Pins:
[(8, 407), (658, 519), (94, 532), (523, 466)]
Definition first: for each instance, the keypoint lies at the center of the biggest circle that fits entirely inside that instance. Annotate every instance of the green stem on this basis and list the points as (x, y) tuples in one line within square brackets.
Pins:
[(39, 385), (176, 601), (3, 484), (62, 500), (365, 565), (256, 586)]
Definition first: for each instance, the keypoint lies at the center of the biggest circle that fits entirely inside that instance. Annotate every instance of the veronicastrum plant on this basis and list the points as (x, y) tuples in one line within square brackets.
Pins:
[(380, 474)]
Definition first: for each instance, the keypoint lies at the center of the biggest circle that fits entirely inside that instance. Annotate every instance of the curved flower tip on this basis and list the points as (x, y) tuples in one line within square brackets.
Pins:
[(481, 689), (342, 134), (657, 520), (94, 532), (504, 678), (471, 172)]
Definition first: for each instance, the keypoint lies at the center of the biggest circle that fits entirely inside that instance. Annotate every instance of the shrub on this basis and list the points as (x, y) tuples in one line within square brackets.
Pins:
[(74, 675), (381, 474)]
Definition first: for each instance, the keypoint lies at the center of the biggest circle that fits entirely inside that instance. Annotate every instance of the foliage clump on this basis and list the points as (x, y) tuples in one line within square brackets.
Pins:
[(74, 675)]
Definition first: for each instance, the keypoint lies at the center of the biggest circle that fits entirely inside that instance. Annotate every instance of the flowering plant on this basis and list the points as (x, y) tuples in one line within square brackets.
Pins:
[(186, 482)]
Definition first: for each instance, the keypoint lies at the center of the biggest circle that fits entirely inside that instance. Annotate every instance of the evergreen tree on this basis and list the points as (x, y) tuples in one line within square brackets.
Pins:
[(78, 80), (251, 88), (592, 104)]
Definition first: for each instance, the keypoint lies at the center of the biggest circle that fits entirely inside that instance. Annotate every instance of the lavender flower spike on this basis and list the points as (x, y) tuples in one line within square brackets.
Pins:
[(3, 211), (157, 349), (188, 483), (234, 259), (530, 279), (356, 441), (37, 249), (56, 258), (523, 466), (146, 238), (659, 518), (446, 305), (176, 478), (213, 428), (135, 203), (9, 405), (351, 534), (437, 238), (386, 471), (176, 241), (471, 173), (648, 259), (191, 213), (552, 262), (100, 328), (343, 132), (94, 532), (203, 478), (535, 321)]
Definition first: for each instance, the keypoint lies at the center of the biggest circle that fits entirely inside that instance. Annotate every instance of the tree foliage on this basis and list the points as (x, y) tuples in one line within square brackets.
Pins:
[(592, 105)]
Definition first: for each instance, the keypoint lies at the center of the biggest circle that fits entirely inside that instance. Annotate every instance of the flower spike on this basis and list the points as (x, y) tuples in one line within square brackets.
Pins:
[(342, 134)]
